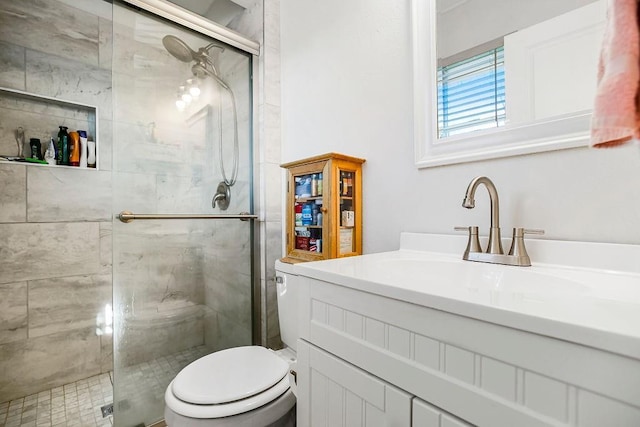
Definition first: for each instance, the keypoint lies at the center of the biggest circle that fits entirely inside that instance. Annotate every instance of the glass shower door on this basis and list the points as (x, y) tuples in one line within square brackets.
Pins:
[(182, 128)]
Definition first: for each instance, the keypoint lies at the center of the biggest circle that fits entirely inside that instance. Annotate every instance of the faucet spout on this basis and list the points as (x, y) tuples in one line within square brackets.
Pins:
[(495, 243)]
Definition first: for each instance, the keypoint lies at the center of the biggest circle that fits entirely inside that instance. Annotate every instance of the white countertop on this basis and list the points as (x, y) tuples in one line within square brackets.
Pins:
[(597, 306)]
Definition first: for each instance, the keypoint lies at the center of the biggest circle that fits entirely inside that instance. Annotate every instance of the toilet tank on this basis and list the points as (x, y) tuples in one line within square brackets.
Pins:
[(287, 294)]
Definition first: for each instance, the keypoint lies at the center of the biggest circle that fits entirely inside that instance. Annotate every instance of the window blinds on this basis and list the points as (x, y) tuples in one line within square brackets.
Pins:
[(471, 94)]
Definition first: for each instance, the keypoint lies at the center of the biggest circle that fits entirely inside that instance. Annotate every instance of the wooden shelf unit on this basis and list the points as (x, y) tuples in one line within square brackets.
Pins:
[(329, 185)]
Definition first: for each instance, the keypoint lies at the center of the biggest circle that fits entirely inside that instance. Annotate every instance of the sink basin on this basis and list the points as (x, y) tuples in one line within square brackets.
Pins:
[(566, 301), (477, 277)]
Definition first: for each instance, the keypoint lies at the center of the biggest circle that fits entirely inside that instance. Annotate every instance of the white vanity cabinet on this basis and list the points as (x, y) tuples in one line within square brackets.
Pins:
[(367, 359)]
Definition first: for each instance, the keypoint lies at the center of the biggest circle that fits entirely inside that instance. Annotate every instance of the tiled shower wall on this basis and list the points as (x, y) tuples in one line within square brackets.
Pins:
[(261, 22), (55, 224)]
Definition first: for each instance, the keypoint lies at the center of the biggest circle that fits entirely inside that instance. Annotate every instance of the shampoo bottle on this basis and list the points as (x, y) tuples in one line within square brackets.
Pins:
[(83, 148), (63, 146), (74, 149)]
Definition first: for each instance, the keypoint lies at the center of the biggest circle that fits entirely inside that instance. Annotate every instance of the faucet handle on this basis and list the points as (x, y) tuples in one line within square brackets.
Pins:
[(518, 248), (520, 231), (473, 244)]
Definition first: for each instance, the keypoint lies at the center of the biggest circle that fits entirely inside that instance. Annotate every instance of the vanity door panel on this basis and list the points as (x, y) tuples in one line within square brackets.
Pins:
[(334, 393), (427, 415)]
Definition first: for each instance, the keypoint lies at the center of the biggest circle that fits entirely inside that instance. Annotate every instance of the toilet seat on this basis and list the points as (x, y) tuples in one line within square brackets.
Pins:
[(251, 377)]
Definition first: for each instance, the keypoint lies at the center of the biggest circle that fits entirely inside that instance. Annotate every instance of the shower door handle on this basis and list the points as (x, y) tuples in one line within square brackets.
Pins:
[(126, 216)]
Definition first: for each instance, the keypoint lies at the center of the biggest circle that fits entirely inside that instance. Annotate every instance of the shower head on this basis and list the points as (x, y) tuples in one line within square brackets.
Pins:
[(179, 49)]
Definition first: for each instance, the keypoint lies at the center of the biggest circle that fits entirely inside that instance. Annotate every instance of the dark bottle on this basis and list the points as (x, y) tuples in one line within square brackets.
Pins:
[(63, 146), (36, 148)]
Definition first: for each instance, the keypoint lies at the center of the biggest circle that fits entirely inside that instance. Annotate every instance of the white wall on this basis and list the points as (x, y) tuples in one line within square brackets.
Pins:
[(346, 87), (459, 30)]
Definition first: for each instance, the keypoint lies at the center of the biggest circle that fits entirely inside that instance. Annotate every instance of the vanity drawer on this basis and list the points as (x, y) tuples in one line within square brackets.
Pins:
[(484, 373)]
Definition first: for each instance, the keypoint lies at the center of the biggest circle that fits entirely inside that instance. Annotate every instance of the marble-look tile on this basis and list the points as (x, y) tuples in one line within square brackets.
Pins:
[(273, 181), (272, 76), (62, 194), (69, 80), (134, 192), (250, 22), (231, 299), (13, 312), (13, 197), (67, 303), (50, 26), (272, 135), (12, 66), (106, 353), (42, 250), (272, 23), (272, 247), (136, 149), (229, 333), (104, 145), (186, 194), (142, 340), (105, 47), (32, 365), (106, 248), (157, 260)]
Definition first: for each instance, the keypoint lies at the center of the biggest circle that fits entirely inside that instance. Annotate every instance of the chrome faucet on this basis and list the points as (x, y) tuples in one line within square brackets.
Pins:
[(494, 254), (495, 243)]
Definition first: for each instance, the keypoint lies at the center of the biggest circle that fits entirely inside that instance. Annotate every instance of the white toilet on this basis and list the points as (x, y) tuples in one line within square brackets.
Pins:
[(245, 386)]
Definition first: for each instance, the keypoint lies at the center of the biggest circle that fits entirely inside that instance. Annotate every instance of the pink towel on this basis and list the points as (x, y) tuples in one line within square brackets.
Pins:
[(616, 117)]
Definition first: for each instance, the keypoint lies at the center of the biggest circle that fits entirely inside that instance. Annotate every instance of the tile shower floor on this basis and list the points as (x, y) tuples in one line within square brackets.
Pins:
[(78, 404)]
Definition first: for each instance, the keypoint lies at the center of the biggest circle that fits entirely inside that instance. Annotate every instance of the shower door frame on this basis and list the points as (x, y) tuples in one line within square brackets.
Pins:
[(199, 24)]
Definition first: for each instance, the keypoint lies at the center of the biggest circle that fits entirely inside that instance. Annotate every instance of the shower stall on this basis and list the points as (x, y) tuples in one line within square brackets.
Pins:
[(145, 263)]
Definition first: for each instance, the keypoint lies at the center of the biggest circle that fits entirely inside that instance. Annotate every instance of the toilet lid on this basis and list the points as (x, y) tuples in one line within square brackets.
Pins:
[(229, 375)]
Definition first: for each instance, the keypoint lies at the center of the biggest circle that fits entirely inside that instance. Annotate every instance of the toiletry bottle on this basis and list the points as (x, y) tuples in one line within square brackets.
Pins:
[(63, 146), (298, 216), (91, 154), (36, 148), (83, 148), (314, 214), (74, 148), (50, 154), (306, 214), (314, 185), (320, 184)]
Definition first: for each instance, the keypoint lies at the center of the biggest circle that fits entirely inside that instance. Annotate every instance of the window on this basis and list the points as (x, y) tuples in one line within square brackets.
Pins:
[(471, 94)]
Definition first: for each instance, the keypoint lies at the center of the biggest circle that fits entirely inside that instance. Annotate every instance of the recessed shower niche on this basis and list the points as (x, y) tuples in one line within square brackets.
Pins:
[(40, 117)]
